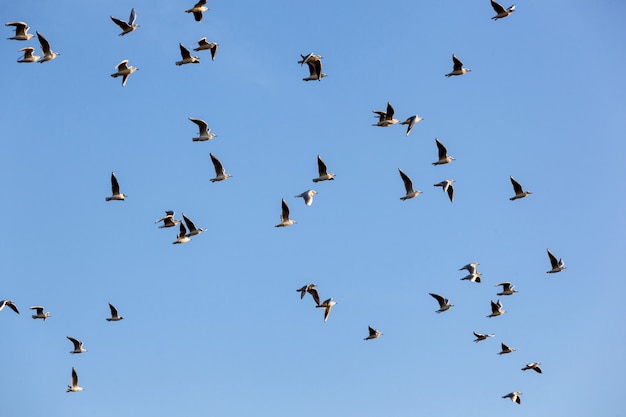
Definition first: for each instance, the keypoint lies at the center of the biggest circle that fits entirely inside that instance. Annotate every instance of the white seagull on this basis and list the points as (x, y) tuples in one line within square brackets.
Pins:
[(557, 266), (444, 158), (314, 62), (168, 220), (323, 174), (74, 387), (205, 132), (501, 11), (480, 336), (446, 185), (129, 26), (114, 315), (534, 366), (519, 192), (326, 305), (458, 67), (115, 190), (408, 186), (186, 55), (21, 31), (39, 314), (220, 172), (203, 45), (474, 275), (123, 70), (284, 216), (373, 333), (507, 288), (48, 54), (78, 346), (496, 309), (197, 10), (10, 304), (28, 55), (309, 288), (506, 349), (411, 122), (182, 235), (444, 303), (385, 118), (307, 196), (514, 396), (193, 230)]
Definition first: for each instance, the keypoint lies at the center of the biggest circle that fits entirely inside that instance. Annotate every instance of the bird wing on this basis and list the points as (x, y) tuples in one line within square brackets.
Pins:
[(115, 186), (553, 261), (122, 66), (74, 378), (516, 186), (189, 223), (408, 184), (12, 306), (458, 65), (219, 169), (214, 51), (314, 294), (442, 301), (133, 17), (45, 46), (285, 211), (184, 52), (38, 308), (390, 111), (75, 342), (497, 7), (450, 192), (113, 310), (202, 125), (122, 24), (321, 166), (182, 231), (441, 149)]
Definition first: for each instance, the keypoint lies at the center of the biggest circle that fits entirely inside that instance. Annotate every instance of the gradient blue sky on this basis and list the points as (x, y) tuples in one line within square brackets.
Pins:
[(214, 326)]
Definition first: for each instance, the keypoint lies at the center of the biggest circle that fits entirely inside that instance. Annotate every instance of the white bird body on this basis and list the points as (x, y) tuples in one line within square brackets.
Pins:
[(307, 196), (123, 70), (129, 26), (39, 313), (186, 57), (557, 266), (197, 10), (28, 55), (115, 190), (408, 186), (21, 31), (74, 386), (457, 67), (78, 346), (204, 131)]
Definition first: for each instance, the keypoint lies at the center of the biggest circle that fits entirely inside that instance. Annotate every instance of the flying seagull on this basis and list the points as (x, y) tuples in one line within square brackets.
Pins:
[(373, 333), (505, 349), (78, 346), (307, 196), (557, 266), (114, 315), (48, 55), (443, 154), (182, 235), (519, 192), (186, 55), (458, 67), (501, 11), (314, 62), (385, 118), (323, 174), (28, 55), (10, 304), (115, 190), (197, 10), (534, 366), (326, 305), (507, 288), (39, 314), (411, 122), (205, 132), (220, 172), (123, 70), (446, 185), (514, 396), (480, 336), (474, 275), (496, 309), (168, 220), (74, 387), (193, 230), (21, 31), (284, 216), (129, 26), (203, 45), (444, 303), (408, 186), (310, 288)]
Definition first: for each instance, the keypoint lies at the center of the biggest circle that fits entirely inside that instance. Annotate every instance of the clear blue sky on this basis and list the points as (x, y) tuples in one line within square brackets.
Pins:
[(215, 326)]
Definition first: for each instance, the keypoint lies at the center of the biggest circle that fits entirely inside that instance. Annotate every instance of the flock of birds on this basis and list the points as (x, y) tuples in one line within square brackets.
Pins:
[(187, 228)]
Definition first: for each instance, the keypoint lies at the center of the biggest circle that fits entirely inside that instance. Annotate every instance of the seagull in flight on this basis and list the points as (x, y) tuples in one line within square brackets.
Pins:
[(444, 303), (10, 304), (309, 288), (385, 118), (129, 26), (115, 190), (123, 70), (373, 333), (501, 11), (78, 346), (507, 288), (186, 55), (446, 185), (408, 186), (444, 158), (307, 196), (326, 305), (114, 315), (21, 31), (39, 314), (203, 45), (496, 309), (168, 220), (514, 396), (193, 230), (74, 387), (534, 366), (28, 55), (284, 216), (197, 10), (182, 235), (506, 349), (519, 192), (48, 54), (458, 67), (557, 266), (204, 131), (220, 172), (411, 122), (314, 62), (480, 336), (323, 174)]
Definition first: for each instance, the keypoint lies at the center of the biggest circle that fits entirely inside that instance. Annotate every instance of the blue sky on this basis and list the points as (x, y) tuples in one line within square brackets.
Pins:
[(214, 326)]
